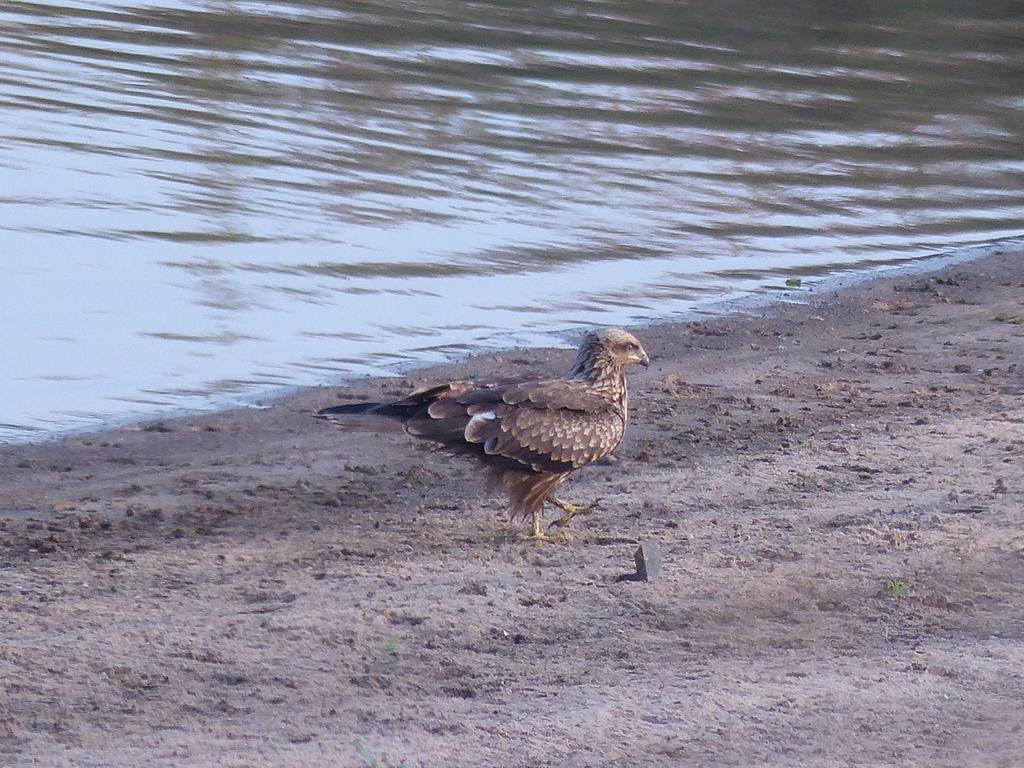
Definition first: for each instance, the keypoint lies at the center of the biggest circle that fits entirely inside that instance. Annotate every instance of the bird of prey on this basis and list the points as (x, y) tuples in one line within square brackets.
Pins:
[(531, 435)]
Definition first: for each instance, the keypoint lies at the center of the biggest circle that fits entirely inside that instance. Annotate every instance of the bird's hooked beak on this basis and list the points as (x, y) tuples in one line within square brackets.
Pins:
[(643, 359)]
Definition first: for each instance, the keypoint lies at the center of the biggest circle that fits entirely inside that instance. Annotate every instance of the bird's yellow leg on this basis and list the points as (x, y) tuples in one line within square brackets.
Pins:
[(570, 510), (537, 532)]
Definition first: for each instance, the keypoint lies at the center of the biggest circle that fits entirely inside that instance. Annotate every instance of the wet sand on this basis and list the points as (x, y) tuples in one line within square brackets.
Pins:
[(837, 488)]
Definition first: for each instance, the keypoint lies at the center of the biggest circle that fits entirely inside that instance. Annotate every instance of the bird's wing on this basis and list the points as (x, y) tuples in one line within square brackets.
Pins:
[(549, 426)]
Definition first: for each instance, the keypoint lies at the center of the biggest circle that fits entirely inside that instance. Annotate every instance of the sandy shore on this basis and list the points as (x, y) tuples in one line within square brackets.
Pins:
[(837, 488)]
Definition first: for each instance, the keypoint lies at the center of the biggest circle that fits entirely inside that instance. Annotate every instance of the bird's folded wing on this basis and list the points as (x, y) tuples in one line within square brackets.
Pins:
[(547, 426)]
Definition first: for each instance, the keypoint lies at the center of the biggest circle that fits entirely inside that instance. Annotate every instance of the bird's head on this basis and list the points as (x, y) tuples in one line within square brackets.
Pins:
[(611, 348)]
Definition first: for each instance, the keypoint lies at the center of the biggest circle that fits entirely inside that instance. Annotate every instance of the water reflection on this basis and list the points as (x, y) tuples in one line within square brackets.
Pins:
[(211, 197)]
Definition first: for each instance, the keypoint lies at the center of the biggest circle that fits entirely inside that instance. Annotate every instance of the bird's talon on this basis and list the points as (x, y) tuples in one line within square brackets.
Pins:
[(562, 522), (570, 510), (537, 533)]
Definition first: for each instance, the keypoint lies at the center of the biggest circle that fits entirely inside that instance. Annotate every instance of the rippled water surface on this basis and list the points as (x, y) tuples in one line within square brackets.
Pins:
[(204, 200)]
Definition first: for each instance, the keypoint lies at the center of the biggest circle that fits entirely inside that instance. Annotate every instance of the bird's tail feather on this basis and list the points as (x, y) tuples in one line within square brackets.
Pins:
[(360, 409), (366, 416)]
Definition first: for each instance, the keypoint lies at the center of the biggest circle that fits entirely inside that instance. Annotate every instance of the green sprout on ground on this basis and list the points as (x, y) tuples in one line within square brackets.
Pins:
[(897, 589), (372, 760), (794, 282)]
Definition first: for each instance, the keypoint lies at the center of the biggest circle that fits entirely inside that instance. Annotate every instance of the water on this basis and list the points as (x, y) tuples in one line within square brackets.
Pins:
[(202, 201)]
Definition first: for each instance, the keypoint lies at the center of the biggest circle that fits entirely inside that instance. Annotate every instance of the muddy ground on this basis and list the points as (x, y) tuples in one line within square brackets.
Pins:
[(837, 488)]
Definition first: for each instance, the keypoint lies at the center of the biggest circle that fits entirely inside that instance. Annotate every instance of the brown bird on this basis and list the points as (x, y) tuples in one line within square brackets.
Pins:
[(531, 435)]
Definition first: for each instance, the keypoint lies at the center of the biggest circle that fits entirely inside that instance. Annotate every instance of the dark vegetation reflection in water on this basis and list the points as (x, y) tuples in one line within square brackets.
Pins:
[(200, 199)]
